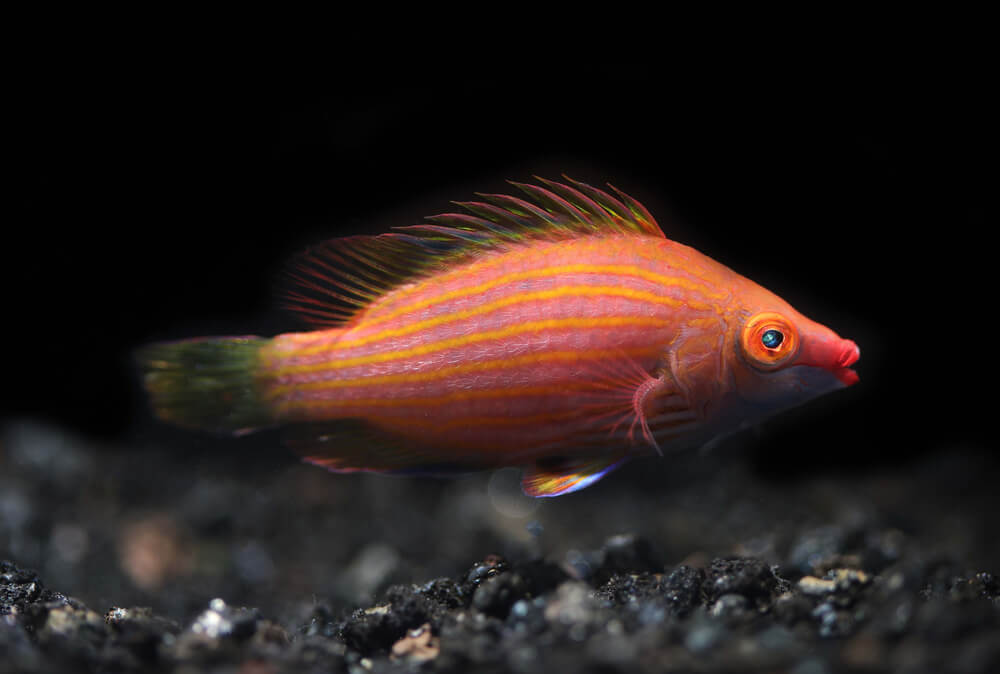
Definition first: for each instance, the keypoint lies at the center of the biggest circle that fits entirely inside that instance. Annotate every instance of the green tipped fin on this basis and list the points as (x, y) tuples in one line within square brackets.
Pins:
[(209, 384)]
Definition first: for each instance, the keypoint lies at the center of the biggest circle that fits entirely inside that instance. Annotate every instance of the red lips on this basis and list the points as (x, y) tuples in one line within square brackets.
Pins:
[(832, 353), (849, 356)]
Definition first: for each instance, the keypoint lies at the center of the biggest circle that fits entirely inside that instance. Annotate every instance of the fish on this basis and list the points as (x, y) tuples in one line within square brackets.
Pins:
[(559, 331)]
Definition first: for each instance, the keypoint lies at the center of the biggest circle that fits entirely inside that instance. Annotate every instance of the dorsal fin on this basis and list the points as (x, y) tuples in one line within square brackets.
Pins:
[(333, 281)]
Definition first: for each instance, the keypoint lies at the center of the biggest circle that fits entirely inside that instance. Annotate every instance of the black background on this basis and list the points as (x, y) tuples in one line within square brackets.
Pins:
[(159, 191)]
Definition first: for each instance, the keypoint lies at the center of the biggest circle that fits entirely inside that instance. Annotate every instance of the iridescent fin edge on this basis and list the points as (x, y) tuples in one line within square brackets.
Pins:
[(565, 476)]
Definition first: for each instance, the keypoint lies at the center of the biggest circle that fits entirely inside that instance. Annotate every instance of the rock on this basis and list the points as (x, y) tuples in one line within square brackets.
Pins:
[(626, 553), (225, 633), (683, 588), (729, 606), (489, 567), (137, 635), (18, 588), (374, 630), (496, 595), (792, 609), (749, 577), (419, 645), (221, 621), (650, 598), (446, 592), (623, 588), (817, 586)]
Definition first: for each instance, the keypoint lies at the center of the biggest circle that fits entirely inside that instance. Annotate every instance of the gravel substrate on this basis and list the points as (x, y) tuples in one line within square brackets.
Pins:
[(185, 561)]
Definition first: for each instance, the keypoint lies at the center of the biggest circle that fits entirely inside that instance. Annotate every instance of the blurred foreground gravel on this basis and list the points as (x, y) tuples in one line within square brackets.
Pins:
[(190, 555)]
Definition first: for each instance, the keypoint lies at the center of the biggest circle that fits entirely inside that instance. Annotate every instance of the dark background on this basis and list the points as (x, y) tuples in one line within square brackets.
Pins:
[(158, 195), (160, 188)]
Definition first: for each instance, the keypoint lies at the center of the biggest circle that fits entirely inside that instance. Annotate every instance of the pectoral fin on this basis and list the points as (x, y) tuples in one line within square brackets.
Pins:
[(561, 476), (631, 404)]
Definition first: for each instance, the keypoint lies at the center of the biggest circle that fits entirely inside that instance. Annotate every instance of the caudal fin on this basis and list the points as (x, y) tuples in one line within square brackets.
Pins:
[(209, 383)]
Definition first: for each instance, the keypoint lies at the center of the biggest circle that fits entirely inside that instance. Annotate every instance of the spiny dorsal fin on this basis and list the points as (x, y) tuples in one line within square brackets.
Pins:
[(333, 281)]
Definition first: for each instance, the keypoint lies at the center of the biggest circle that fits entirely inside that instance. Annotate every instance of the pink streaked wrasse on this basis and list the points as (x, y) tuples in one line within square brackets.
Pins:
[(559, 331)]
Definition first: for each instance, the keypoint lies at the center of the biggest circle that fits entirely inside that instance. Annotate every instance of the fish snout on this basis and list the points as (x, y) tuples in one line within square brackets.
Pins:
[(831, 353)]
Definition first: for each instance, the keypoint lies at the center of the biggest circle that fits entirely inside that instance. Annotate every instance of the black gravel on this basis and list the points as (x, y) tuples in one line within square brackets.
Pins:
[(223, 558)]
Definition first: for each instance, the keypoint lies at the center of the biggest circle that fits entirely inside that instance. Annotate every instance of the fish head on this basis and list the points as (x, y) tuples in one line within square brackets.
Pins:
[(781, 359)]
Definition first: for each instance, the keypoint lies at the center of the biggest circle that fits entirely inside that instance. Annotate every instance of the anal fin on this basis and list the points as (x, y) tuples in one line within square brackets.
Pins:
[(355, 445), (565, 475)]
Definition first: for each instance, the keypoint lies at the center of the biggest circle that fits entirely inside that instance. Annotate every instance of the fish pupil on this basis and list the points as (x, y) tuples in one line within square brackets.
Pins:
[(772, 339)]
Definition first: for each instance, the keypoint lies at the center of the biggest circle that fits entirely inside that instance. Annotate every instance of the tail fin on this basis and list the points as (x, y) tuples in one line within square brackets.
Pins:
[(208, 383)]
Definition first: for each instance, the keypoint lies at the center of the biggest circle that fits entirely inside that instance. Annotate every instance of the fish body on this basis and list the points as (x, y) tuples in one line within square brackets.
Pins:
[(563, 333)]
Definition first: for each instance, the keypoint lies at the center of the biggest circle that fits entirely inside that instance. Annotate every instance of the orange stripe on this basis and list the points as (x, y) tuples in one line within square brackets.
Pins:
[(456, 342), (519, 298), (502, 259), (622, 270), (631, 246), (455, 396), (507, 422), (465, 368)]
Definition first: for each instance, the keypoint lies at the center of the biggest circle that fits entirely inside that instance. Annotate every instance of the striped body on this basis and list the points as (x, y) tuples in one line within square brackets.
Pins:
[(503, 352)]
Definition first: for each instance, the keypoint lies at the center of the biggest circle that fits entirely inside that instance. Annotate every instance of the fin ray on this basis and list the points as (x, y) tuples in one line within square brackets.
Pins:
[(627, 396), (332, 283), (564, 476), (209, 383), (356, 445)]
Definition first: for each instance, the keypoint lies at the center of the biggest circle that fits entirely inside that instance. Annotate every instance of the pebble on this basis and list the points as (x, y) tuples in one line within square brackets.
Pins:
[(496, 595), (729, 606), (533, 616), (813, 585)]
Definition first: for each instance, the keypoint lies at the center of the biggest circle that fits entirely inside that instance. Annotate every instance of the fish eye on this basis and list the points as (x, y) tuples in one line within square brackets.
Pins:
[(769, 340), (772, 338)]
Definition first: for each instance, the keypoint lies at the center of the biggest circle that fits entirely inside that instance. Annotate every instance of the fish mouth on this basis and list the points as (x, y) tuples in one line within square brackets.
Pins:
[(846, 376), (842, 366)]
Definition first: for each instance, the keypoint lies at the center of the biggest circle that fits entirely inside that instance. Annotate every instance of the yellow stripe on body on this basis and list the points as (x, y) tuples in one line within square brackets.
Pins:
[(630, 271), (628, 246), (436, 426), (465, 368), (455, 396), (524, 297), (488, 335)]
